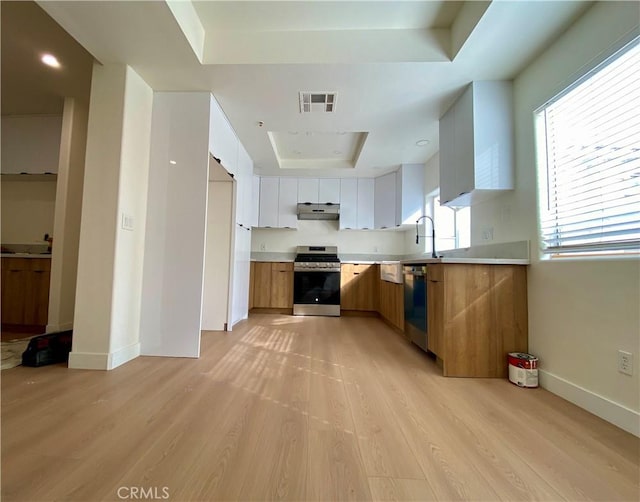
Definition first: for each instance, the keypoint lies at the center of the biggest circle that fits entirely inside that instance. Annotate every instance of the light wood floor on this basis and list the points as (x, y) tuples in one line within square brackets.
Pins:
[(302, 409)]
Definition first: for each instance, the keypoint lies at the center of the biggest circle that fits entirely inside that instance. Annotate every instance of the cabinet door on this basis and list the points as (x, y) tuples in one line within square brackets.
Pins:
[(269, 192), (385, 201), (348, 203), (411, 190), (288, 203), (244, 201), (329, 191), (255, 201), (308, 190), (435, 309), (262, 284), (348, 280), (447, 157), (366, 208), (252, 283), (464, 144), (14, 280), (359, 287), (281, 285), (37, 292), (30, 144), (223, 143)]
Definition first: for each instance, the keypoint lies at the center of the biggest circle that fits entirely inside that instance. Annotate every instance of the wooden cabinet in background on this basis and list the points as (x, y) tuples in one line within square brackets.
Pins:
[(271, 285), (359, 286), (25, 291), (477, 314), (392, 303)]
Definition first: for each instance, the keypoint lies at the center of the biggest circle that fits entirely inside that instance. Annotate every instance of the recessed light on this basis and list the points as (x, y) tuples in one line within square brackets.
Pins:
[(172, 162), (50, 60), (422, 142)]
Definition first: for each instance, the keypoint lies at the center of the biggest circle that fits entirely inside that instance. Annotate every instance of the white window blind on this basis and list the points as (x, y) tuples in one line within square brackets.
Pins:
[(589, 153)]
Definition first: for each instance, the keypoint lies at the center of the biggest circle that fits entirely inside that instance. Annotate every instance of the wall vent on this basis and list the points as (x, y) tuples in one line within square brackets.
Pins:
[(317, 102)]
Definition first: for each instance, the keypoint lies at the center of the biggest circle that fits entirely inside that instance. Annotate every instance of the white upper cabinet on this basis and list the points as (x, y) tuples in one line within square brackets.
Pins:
[(278, 202), (269, 195), (288, 203), (223, 142), (410, 200), (348, 204), (244, 188), (321, 191), (255, 198), (31, 144), (329, 191), (308, 190), (366, 206), (385, 201), (476, 144)]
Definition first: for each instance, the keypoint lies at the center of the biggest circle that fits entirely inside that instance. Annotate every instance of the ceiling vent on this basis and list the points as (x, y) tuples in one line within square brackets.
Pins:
[(317, 102)]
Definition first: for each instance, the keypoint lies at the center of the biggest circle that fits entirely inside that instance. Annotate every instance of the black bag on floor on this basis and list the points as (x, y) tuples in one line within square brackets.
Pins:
[(48, 349)]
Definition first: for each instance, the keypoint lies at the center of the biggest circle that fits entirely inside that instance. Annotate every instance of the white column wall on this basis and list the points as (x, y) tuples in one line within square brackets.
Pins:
[(176, 225), (132, 203), (68, 211), (106, 327)]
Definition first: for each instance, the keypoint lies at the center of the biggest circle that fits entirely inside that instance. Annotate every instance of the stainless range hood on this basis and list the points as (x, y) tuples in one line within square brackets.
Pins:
[(311, 211)]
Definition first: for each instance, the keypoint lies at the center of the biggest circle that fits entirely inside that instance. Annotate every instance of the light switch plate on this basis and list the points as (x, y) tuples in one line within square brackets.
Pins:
[(127, 222)]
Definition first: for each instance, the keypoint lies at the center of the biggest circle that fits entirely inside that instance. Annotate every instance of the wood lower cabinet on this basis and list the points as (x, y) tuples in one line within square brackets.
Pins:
[(359, 286), (25, 292), (477, 314), (392, 303), (281, 285), (271, 285)]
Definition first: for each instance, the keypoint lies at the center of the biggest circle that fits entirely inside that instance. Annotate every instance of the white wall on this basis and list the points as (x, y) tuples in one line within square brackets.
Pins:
[(581, 312), (176, 225), (27, 211), (107, 309), (325, 233), (132, 202), (215, 304), (68, 211)]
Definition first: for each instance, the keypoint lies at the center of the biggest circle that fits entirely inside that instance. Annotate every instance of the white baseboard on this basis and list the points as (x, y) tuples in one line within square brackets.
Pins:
[(101, 360), (54, 328), (620, 416)]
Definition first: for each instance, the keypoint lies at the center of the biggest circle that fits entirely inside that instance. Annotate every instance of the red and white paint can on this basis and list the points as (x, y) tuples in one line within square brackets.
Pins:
[(523, 369)]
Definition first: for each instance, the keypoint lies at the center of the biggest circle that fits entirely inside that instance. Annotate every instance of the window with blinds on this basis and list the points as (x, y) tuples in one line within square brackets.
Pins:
[(588, 141)]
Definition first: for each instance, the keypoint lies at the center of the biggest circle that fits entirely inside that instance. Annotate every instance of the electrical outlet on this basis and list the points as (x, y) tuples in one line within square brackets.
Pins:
[(625, 362), (487, 234), (263, 246)]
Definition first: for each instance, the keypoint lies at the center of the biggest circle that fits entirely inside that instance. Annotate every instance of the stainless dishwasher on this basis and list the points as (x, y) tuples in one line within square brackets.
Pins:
[(415, 304)]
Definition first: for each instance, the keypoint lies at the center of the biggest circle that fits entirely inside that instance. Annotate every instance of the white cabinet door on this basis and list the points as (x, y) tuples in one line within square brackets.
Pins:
[(329, 191), (348, 203), (308, 190), (463, 144), (244, 200), (411, 188), (366, 188), (447, 157), (269, 194), (385, 201), (288, 203), (223, 142), (255, 198)]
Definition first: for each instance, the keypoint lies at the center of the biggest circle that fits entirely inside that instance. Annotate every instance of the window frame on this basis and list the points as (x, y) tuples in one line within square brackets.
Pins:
[(543, 168)]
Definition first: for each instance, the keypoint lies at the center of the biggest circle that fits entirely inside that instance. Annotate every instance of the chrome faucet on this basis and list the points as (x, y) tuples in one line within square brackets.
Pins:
[(433, 234)]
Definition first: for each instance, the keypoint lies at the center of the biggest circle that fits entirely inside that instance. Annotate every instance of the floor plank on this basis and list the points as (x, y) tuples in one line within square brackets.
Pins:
[(302, 408)]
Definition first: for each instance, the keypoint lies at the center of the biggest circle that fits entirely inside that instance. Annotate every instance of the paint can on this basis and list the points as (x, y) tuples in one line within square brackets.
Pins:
[(523, 369)]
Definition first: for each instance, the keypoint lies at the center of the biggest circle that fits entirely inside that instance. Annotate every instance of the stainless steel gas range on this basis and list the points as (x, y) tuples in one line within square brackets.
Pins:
[(316, 281)]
